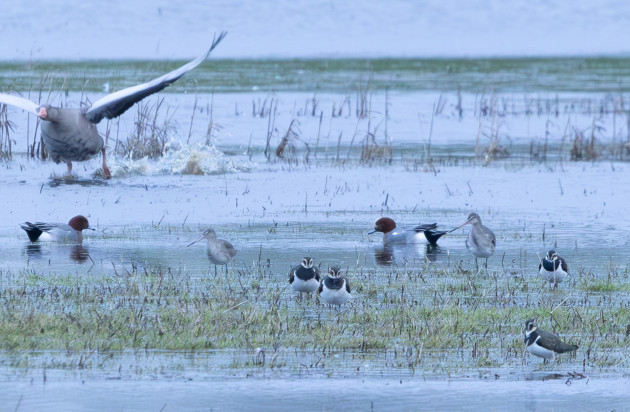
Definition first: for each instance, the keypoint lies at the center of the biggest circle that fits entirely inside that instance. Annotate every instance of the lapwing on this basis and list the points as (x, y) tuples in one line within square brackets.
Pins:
[(542, 343), (305, 277), (334, 289), (553, 268)]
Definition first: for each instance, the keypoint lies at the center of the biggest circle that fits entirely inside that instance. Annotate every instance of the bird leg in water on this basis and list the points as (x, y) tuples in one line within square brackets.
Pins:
[(108, 174)]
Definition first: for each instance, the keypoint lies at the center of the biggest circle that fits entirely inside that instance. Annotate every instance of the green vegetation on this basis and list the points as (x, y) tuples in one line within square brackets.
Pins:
[(414, 316), (501, 75)]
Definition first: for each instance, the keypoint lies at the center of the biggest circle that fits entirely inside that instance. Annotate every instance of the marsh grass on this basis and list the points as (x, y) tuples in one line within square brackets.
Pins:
[(416, 316), (369, 141), (287, 149), (151, 134), (6, 128), (492, 101)]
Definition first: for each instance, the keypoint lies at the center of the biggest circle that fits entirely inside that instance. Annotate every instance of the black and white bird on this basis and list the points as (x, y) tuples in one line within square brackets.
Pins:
[(70, 134), (544, 344), (334, 289), (304, 277), (553, 268)]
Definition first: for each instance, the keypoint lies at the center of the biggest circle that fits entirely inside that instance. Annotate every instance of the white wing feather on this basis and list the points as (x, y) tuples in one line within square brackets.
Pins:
[(116, 103), (19, 102)]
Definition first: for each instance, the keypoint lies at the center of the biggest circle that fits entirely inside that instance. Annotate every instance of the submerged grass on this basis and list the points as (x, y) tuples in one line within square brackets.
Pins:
[(410, 317)]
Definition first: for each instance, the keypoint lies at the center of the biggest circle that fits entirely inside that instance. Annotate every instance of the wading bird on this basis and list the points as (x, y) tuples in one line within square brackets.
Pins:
[(542, 343), (481, 241), (219, 251), (553, 268), (304, 277), (334, 289)]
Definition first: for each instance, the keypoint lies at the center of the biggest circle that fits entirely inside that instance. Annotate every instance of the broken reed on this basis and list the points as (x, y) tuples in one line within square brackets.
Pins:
[(151, 133), (6, 128)]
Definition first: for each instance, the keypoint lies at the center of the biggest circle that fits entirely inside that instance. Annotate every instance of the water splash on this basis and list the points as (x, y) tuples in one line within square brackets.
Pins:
[(179, 158)]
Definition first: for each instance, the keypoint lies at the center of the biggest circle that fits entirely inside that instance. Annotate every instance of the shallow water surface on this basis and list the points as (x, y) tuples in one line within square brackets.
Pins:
[(263, 393), (320, 199)]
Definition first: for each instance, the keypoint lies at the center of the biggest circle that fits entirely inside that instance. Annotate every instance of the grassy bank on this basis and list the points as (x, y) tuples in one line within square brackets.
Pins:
[(415, 315)]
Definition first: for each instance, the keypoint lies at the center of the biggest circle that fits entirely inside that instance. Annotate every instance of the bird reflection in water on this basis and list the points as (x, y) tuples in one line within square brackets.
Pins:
[(79, 253), (33, 250), (387, 255)]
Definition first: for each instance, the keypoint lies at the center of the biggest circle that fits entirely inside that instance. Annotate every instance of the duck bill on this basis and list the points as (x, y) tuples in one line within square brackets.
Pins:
[(372, 231), (190, 244)]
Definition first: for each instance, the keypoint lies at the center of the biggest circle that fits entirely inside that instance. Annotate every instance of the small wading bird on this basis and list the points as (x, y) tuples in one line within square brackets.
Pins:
[(553, 268), (334, 289), (542, 343), (305, 277), (425, 234), (57, 232), (70, 135), (219, 251), (481, 241)]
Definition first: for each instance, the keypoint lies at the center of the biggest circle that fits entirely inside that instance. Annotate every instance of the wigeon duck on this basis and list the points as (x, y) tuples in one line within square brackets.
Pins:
[(425, 234), (57, 232)]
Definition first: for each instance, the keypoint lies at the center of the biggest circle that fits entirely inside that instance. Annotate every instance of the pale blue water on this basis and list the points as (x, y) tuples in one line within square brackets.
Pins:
[(149, 212), (75, 29), (313, 394)]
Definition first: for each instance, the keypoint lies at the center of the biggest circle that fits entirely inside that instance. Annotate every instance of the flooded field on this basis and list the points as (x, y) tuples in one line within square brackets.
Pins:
[(292, 158)]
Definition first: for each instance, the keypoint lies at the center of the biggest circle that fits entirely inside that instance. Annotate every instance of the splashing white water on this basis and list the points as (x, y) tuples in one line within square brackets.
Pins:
[(195, 159)]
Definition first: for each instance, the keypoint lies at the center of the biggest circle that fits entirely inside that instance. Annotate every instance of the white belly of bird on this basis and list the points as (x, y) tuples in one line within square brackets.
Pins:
[(300, 285), (335, 297), (57, 235), (537, 350), (556, 276), (404, 238)]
